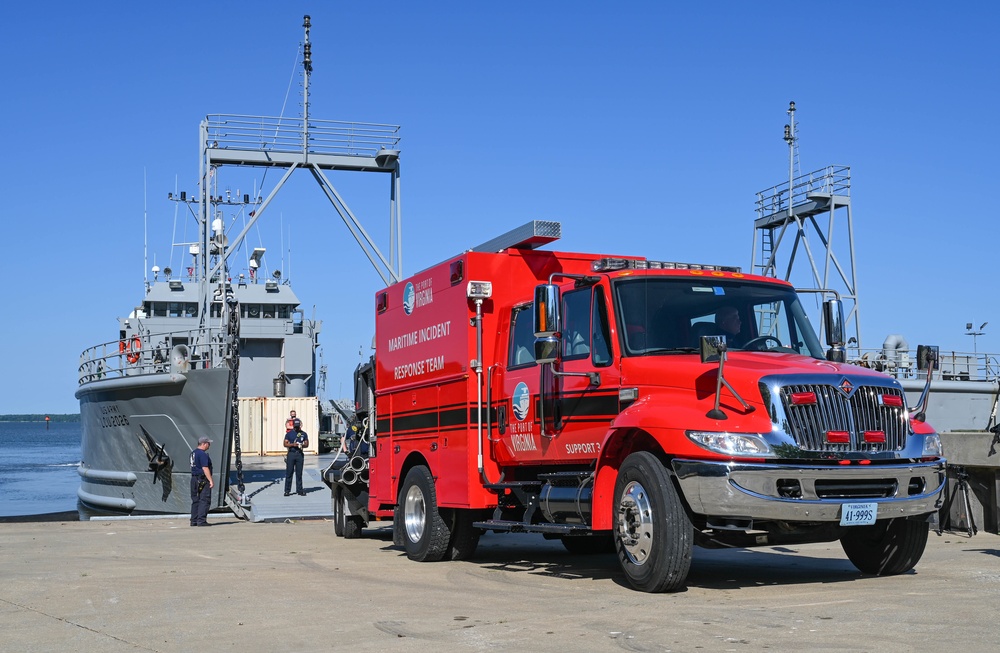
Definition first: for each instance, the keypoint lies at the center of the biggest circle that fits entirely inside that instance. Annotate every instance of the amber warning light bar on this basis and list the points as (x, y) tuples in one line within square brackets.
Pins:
[(611, 264)]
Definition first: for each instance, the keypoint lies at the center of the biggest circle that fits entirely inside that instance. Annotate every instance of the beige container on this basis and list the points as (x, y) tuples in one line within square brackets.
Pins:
[(262, 423)]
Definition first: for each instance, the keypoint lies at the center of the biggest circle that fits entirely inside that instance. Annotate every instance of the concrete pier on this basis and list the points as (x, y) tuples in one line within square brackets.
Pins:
[(160, 585)]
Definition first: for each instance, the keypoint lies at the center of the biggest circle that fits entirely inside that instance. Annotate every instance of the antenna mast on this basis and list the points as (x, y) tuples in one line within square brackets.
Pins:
[(307, 67)]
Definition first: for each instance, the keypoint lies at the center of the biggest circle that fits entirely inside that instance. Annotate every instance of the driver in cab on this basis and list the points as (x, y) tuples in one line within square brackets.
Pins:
[(727, 319)]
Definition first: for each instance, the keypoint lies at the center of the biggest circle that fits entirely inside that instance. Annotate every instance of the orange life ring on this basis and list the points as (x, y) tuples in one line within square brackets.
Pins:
[(134, 347)]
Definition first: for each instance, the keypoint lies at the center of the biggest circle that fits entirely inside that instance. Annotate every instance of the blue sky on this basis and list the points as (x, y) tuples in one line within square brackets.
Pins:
[(644, 127)]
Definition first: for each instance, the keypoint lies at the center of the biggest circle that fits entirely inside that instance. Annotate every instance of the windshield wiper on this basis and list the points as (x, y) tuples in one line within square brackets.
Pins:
[(668, 350)]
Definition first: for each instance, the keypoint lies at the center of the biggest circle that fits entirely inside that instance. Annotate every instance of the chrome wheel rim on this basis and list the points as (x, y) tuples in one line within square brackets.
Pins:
[(414, 513), (635, 523)]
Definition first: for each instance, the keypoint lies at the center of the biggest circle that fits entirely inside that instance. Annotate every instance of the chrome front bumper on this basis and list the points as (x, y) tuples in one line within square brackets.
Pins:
[(750, 490)]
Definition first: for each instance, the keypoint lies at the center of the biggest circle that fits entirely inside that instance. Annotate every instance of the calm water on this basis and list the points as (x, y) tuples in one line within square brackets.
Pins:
[(38, 468)]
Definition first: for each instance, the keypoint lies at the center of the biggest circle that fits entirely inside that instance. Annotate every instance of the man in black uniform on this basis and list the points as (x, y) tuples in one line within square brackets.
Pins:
[(295, 440), (201, 482)]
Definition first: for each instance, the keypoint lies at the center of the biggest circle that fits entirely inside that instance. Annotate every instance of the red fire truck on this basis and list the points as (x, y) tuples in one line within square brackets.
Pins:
[(625, 404)]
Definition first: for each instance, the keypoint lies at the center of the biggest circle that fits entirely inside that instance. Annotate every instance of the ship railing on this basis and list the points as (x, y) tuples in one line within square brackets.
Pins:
[(952, 365), (831, 180), (153, 354), (274, 134)]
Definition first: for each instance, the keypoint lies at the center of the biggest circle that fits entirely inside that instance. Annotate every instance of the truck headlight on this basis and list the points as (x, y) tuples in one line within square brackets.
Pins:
[(932, 446), (731, 444)]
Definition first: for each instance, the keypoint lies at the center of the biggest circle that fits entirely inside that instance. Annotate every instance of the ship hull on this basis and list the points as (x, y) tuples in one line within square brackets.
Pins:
[(138, 434)]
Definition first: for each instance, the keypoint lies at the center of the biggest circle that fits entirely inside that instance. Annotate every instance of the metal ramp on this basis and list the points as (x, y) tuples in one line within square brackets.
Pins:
[(264, 488)]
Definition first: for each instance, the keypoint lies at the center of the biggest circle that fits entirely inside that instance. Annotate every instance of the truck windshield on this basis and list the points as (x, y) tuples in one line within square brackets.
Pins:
[(670, 314)]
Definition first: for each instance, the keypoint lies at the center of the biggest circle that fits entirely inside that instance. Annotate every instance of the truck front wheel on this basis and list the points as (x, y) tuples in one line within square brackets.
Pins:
[(653, 535), (887, 547), (425, 534)]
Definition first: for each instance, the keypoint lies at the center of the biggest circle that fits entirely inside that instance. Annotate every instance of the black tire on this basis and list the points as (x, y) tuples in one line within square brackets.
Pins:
[(589, 544), (464, 536), (887, 547), (352, 527), (653, 535), (425, 533), (338, 511)]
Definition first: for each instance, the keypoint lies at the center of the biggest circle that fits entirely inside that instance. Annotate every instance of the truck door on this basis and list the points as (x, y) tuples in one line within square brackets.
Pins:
[(577, 412), (583, 410)]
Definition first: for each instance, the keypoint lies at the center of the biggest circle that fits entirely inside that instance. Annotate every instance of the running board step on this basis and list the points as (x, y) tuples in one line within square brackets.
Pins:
[(511, 526)]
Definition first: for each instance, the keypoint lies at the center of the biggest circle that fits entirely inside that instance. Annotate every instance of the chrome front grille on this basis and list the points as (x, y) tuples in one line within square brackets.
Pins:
[(836, 411)]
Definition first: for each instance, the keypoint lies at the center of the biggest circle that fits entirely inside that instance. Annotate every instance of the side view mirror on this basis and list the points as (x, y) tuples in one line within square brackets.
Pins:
[(546, 310), (833, 321), (547, 349), (548, 341), (927, 356), (712, 348)]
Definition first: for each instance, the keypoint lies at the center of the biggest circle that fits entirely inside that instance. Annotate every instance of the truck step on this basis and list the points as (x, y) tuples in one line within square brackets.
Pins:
[(511, 526), (513, 484)]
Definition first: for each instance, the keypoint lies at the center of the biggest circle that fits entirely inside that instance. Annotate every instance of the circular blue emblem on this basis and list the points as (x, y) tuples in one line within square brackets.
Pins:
[(520, 401), (409, 298)]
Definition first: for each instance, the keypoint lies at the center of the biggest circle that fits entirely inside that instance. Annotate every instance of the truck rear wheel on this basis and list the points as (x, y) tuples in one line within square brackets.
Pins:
[(653, 535), (425, 534), (887, 547), (338, 511), (345, 524)]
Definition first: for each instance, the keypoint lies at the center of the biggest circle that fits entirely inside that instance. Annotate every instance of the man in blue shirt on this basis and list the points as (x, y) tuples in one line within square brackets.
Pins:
[(295, 440), (201, 482)]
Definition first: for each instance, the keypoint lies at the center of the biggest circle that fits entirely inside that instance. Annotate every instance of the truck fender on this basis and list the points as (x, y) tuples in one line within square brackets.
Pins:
[(618, 443)]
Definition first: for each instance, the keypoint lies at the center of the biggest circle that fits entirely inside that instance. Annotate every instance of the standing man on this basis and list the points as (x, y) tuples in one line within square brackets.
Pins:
[(201, 482), (295, 440)]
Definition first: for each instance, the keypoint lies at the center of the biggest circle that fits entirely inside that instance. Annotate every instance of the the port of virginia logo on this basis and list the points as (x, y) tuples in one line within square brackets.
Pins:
[(520, 401), (409, 298)]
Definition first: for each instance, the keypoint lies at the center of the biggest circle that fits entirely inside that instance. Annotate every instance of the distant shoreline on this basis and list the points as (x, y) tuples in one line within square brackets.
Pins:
[(40, 417)]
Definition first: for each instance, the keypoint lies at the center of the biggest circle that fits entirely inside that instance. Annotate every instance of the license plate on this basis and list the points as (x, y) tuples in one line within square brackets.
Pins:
[(859, 514)]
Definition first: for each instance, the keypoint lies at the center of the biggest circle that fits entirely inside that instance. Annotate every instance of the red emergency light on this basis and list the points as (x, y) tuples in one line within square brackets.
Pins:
[(891, 400), (803, 398), (875, 437), (838, 437)]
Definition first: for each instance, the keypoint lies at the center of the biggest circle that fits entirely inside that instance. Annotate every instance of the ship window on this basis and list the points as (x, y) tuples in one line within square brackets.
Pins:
[(283, 311), (191, 309), (216, 309), (269, 311), (174, 309), (159, 309)]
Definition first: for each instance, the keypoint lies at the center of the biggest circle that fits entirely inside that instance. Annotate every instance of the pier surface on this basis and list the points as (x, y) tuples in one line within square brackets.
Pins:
[(160, 585)]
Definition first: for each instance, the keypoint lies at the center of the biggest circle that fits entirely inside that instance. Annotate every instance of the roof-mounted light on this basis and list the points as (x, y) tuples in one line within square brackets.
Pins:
[(612, 264)]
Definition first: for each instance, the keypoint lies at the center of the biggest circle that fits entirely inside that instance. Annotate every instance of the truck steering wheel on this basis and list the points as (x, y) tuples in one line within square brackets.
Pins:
[(759, 343)]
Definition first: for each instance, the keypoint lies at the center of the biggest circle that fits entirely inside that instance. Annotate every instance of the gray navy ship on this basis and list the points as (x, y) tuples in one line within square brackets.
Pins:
[(172, 376), (218, 351)]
